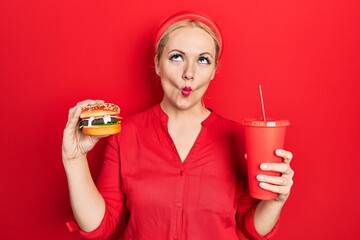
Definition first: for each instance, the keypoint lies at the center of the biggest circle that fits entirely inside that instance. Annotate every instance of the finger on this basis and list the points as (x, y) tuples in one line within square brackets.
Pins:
[(73, 118), (283, 168), (283, 190), (89, 143), (286, 155), (281, 181), (95, 139), (74, 113)]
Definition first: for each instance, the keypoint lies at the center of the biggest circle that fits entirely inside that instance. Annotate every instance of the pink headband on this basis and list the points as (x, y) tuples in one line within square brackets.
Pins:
[(189, 15)]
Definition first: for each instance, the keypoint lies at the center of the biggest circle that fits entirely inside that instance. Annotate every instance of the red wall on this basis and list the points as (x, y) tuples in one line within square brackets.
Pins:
[(305, 53)]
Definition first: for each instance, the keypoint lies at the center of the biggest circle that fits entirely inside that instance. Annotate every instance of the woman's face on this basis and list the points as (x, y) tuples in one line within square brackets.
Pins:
[(186, 67)]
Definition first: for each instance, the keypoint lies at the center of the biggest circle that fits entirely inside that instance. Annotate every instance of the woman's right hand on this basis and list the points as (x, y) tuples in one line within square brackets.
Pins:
[(76, 144)]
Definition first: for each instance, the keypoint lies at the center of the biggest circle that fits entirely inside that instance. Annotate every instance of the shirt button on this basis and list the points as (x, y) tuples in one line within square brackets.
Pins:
[(179, 205), (181, 172), (176, 238)]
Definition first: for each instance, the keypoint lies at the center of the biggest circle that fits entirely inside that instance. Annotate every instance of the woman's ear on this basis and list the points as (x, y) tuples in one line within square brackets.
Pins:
[(215, 70), (213, 74), (156, 62)]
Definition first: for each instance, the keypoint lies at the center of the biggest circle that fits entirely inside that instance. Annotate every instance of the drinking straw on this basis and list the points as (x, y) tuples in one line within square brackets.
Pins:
[(262, 103)]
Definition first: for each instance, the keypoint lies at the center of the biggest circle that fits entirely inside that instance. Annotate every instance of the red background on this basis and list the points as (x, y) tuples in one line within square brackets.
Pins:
[(305, 53)]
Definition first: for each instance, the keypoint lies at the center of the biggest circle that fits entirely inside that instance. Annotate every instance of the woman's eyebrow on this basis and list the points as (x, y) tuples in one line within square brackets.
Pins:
[(206, 53), (176, 50)]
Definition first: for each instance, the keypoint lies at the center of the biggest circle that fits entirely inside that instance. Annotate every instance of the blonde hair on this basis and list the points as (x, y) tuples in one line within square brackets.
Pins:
[(160, 45)]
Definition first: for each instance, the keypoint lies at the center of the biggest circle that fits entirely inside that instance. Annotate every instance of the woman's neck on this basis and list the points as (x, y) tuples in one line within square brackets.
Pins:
[(184, 126), (197, 112)]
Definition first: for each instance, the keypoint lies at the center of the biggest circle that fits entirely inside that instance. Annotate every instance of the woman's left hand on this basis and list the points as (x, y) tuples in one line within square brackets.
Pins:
[(282, 184)]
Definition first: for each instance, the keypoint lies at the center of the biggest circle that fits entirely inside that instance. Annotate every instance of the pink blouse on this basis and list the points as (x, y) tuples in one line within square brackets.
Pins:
[(204, 197)]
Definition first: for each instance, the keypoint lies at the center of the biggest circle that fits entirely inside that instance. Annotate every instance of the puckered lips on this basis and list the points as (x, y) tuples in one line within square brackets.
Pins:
[(186, 91)]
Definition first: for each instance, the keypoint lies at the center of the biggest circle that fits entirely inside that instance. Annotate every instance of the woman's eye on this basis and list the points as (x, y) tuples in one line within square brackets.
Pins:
[(204, 60), (176, 57)]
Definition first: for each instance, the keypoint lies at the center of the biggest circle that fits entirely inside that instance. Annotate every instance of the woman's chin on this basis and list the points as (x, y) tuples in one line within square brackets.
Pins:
[(181, 102), (187, 103)]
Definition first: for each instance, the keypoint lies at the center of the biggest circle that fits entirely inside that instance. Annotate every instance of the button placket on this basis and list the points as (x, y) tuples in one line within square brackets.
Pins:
[(179, 204)]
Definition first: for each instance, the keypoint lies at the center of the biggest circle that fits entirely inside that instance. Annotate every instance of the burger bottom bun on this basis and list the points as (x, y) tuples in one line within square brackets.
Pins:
[(102, 130)]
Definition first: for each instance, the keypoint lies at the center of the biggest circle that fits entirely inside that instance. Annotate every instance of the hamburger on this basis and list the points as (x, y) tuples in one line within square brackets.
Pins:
[(100, 119)]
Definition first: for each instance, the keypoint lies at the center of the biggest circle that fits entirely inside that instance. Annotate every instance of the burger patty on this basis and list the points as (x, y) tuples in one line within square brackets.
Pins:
[(99, 121)]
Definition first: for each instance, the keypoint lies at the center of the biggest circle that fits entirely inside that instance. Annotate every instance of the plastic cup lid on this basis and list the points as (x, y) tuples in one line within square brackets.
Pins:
[(269, 123)]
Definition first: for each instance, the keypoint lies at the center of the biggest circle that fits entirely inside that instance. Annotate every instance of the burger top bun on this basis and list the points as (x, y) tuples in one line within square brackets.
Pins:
[(100, 109)]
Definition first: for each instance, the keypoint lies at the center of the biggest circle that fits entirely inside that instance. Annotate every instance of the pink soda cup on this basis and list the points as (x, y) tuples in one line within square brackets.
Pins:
[(262, 138)]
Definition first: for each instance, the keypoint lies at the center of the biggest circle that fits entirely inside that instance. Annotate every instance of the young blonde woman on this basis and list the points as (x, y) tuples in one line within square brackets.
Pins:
[(174, 171)]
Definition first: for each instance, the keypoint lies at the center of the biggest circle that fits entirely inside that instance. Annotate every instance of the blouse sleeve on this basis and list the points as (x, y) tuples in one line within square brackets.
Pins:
[(109, 186), (245, 219)]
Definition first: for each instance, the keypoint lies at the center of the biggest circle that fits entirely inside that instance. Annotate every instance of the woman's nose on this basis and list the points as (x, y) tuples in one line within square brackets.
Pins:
[(189, 72)]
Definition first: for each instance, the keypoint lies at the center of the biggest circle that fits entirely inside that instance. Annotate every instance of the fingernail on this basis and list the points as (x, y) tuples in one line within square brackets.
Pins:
[(264, 166), (262, 184), (260, 177)]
